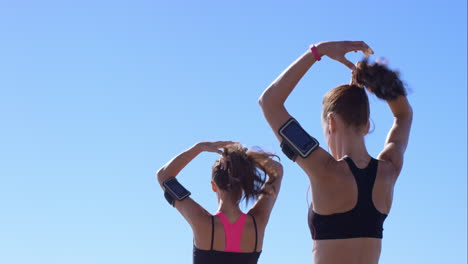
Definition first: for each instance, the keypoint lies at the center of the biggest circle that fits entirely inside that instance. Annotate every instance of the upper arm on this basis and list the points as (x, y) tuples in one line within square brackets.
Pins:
[(316, 164), (398, 136), (194, 213)]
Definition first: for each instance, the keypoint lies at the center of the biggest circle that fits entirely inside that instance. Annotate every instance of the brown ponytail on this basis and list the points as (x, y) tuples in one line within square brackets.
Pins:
[(379, 80), (244, 176)]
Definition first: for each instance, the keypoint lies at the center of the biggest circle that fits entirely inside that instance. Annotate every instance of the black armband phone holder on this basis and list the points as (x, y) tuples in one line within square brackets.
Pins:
[(296, 141), (288, 150), (169, 198), (174, 191)]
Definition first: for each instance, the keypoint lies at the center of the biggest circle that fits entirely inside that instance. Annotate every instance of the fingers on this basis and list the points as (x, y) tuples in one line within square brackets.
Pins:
[(214, 149), (355, 46), (215, 146), (348, 64), (223, 162), (362, 46), (368, 52), (218, 151), (220, 144)]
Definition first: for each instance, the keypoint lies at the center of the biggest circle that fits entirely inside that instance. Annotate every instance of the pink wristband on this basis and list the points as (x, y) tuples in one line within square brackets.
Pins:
[(314, 51)]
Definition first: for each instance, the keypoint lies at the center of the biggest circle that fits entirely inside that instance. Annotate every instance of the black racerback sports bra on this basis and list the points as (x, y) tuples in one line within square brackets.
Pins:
[(364, 220)]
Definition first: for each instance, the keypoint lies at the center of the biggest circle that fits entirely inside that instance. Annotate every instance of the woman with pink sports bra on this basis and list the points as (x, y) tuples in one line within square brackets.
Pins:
[(228, 236)]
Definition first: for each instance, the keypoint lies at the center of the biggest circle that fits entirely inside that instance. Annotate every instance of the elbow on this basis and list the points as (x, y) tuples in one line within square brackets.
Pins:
[(160, 176), (267, 100), (277, 172), (262, 98), (280, 173), (410, 113), (261, 101), (406, 114), (265, 105)]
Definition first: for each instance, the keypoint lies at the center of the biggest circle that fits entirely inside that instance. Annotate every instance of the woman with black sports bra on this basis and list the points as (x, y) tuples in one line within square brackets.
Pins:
[(351, 191), (229, 236)]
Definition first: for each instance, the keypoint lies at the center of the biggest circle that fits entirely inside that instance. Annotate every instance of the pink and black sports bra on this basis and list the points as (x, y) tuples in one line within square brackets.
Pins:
[(232, 254)]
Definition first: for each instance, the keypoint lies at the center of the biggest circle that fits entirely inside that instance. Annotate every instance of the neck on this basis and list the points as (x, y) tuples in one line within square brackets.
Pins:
[(228, 207), (352, 145)]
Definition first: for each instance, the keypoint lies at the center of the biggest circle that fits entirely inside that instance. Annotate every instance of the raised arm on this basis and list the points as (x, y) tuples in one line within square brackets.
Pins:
[(192, 211), (265, 202), (385, 83), (273, 98), (397, 138)]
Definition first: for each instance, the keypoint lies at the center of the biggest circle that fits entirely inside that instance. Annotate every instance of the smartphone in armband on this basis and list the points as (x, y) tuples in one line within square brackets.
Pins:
[(297, 139), (175, 189)]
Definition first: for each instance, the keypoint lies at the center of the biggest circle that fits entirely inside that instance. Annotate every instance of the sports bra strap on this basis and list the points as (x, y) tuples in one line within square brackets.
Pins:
[(212, 232), (256, 236)]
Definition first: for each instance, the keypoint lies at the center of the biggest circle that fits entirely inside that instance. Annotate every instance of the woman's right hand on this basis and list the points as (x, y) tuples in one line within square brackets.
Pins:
[(337, 50)]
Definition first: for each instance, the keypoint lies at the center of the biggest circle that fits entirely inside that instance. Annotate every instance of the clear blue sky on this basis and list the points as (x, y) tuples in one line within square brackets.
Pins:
[(97, 95)]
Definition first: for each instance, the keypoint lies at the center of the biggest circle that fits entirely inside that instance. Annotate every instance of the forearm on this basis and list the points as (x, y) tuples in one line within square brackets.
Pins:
[(174, 166), (279, 90)]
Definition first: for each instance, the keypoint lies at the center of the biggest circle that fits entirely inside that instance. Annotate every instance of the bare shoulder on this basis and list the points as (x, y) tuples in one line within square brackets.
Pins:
[(195, 214), (202, 231), (319, 166), (332, 171)]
